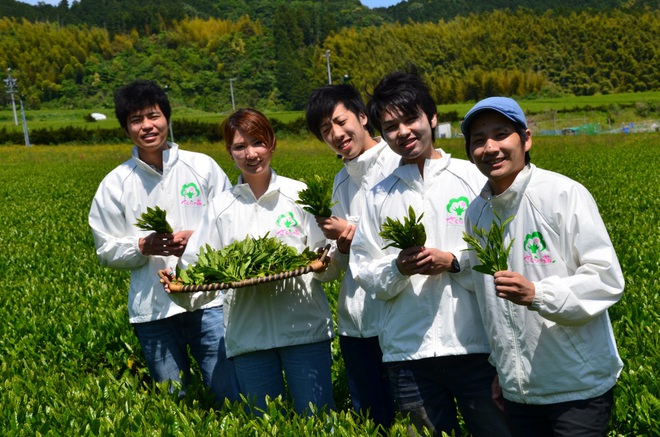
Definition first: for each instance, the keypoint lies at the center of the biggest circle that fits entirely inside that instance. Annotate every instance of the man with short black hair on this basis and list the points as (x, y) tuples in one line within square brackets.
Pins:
[(182, 183), (434, 343), (336, 115)]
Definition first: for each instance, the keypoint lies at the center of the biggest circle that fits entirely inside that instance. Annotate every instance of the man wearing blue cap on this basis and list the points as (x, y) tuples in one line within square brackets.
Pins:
[(546, 316)]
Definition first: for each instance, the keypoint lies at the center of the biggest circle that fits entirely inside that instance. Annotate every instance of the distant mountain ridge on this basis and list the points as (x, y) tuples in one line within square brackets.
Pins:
[(76, 54), (124, 15)]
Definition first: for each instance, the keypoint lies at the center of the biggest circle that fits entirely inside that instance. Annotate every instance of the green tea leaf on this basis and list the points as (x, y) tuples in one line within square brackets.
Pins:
[(155, 220), (317, 197), (489, 246), (410, 233)]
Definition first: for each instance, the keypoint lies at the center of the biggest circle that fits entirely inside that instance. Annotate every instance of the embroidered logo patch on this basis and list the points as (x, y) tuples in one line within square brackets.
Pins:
[(535, 249), (456, 209), (190, 194), (287, 222)]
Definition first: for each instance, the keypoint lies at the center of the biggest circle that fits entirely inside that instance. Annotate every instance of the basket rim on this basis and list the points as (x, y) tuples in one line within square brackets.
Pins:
[(173, 285)]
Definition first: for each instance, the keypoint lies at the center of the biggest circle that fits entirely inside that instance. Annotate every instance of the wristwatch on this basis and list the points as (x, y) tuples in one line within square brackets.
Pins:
[(455, 266)]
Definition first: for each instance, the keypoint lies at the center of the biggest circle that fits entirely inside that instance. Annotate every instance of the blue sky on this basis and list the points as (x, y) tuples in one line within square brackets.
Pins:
[(370, 3), (379, 3)]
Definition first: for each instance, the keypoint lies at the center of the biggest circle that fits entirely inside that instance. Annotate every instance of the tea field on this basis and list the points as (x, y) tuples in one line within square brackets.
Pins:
[(70, 364)]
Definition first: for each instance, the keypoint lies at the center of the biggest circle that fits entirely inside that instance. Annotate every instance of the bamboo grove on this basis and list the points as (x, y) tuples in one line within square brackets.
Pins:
[(277, 62)]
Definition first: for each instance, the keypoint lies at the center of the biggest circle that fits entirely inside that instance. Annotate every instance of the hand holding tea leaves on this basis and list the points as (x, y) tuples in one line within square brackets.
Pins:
[(493, 255), (317, 197), (154, 219), (410, 233)]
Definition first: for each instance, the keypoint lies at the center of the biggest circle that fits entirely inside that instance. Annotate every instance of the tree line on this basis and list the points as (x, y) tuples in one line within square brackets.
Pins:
[(277, 63)]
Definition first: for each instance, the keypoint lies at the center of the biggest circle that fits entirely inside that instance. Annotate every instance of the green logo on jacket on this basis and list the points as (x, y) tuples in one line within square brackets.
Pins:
[(190, 194)]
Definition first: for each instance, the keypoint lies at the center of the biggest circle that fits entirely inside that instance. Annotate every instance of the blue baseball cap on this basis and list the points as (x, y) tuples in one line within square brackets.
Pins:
[(504, 105)]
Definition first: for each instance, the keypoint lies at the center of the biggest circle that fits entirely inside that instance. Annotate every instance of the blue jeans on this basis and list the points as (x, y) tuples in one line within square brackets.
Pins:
[(165, 346), (582, 418), (429, 390), (307, 370), (368, 384)]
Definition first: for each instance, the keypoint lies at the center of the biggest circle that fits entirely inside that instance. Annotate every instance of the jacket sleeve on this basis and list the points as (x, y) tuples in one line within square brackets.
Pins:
[(375, 270), (596, 282), (208, 232), (220, 178), (218, 183), (115, 239)]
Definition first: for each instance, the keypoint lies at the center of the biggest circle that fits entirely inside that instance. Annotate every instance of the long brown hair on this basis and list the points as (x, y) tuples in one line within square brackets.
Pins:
[(250, 122)]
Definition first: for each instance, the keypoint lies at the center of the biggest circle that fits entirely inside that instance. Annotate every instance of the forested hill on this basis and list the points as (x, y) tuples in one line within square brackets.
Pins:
[(436, 10), (275, 53), (155, 15), (321, 15)]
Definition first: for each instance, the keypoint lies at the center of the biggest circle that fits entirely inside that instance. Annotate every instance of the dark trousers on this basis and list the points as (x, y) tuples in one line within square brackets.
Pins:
[(368, 383), (582, 418), (430, 389)]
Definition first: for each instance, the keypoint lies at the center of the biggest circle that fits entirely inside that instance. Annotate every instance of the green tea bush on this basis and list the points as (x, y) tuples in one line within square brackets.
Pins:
[(183, 129), (70, 364)]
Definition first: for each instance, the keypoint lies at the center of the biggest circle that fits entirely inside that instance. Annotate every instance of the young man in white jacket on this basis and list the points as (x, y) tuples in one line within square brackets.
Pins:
[(336, 114), (434, 344), (546, 315), (182, 183)]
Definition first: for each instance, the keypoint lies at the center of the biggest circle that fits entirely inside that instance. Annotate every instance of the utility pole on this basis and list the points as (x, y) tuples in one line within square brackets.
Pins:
[(327, 61), (169, 124), (25, 128), (231, 90), (10, 84)]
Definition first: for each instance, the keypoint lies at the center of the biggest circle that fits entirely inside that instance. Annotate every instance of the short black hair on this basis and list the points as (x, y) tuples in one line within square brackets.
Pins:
[(404, 92), (324, 100), (138, 95)]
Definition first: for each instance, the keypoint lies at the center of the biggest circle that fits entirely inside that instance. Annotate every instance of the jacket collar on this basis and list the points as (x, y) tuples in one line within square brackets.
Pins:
[(242, 188), (170, 157), (510, 198), (409, 173), (359, 166)]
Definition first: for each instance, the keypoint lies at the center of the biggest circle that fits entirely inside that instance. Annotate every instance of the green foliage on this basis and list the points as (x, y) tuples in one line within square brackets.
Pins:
[(71, 364), (410, 233), (317, 197), (275, 50), (154, 220), (489, 246), (244, 259)]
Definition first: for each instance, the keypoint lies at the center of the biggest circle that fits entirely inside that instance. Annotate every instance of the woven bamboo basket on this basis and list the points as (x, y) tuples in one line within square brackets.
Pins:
[(318, 265)]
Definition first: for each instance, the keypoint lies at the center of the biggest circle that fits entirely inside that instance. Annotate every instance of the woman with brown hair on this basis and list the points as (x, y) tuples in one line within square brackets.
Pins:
[(281, 327)]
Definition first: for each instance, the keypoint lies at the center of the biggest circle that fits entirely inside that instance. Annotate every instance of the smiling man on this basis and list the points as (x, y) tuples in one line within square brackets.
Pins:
[(434, 344), (336, 115), (546, 315), (182, 183)]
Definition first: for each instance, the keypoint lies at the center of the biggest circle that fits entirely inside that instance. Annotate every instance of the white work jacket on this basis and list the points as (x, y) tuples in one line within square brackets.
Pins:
[(275, 314), (358, 315), (188, 182), (562, 347), (426, 315)]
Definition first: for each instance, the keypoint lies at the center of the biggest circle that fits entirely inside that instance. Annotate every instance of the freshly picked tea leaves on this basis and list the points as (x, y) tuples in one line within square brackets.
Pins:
[(317, 197), (245, 259), (410, 233), (154, 219), (490, 246)]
